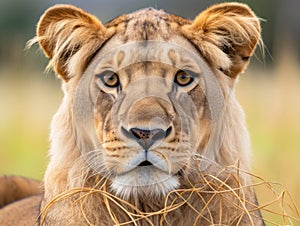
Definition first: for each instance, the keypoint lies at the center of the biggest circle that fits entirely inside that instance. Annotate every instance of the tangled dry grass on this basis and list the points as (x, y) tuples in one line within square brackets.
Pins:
[(281, 206)]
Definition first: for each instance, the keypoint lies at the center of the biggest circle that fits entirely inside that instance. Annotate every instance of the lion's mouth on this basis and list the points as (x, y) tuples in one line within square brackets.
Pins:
[(148, 159), (145, 163)]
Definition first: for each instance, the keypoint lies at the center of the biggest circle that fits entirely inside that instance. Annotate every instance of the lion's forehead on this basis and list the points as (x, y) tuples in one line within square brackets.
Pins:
[(147, 24), (152, 56)]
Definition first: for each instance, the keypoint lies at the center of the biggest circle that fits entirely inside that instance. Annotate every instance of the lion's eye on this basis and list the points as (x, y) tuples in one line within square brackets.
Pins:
[(110, 79), (183, 78)]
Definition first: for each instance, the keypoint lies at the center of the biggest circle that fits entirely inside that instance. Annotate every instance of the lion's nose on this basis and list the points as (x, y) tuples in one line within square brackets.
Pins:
[(146, 138)]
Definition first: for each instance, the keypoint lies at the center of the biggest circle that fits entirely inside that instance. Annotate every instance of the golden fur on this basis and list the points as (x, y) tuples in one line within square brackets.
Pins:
[(81, 192), (17, 196), (16, 188)]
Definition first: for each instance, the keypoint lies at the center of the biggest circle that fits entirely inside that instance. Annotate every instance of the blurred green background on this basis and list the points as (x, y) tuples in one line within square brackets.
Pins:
[(269, 91)]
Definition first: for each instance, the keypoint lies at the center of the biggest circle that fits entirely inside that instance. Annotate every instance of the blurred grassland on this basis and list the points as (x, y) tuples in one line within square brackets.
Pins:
[(270, 98), (27, 106), (271, 101)]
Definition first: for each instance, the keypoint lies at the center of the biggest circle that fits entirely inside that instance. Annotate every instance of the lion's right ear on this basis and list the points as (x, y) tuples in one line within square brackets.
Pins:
[(69, 37), (227, 35)]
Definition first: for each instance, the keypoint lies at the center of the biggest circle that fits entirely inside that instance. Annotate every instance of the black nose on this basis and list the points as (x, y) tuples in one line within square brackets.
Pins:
[(146, 138)]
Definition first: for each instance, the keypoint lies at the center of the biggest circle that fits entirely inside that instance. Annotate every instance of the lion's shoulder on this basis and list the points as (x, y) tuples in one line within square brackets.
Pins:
[(20, 200), (23, 212), (14, 188)]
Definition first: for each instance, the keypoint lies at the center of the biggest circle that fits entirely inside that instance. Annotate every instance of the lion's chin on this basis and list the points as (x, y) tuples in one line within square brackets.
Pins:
[(144, 181)]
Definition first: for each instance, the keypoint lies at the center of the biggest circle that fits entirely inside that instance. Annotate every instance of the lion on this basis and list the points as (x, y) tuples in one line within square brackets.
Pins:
[(149, 131)]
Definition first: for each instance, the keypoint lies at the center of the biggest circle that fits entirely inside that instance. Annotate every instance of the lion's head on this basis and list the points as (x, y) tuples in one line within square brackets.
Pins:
[(149, 97)]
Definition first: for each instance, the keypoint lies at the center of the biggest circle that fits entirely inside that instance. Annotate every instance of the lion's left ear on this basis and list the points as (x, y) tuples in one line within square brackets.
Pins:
[(227, 35)]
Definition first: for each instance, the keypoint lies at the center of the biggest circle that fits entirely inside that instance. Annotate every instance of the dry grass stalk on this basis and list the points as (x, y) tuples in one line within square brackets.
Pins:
[(281, 206)]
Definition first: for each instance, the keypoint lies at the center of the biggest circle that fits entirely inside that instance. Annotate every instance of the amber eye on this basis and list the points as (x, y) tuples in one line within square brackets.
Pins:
[(109, 78), (183, 78)]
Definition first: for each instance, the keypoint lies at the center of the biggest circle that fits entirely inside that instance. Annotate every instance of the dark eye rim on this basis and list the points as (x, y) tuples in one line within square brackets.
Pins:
[(191, 74), (102, 75)]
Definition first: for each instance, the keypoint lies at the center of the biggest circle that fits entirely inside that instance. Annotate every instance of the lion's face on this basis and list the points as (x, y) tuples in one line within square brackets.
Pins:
[(148, 89), (149, 103)]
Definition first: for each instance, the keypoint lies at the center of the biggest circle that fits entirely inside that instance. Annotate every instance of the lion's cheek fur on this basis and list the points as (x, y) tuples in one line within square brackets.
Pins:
[(63, 151), (236, 153)]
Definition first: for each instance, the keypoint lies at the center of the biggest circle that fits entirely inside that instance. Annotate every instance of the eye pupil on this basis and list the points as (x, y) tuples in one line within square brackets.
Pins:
[(183, 77)]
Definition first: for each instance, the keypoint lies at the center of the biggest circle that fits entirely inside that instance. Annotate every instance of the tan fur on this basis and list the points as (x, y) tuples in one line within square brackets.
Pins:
[(25, 197), (13, 188), (24, 212), (225, 37)]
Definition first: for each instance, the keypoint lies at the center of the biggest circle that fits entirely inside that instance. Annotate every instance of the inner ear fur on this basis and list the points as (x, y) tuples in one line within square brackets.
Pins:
[(227, 35), (69, 37)]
